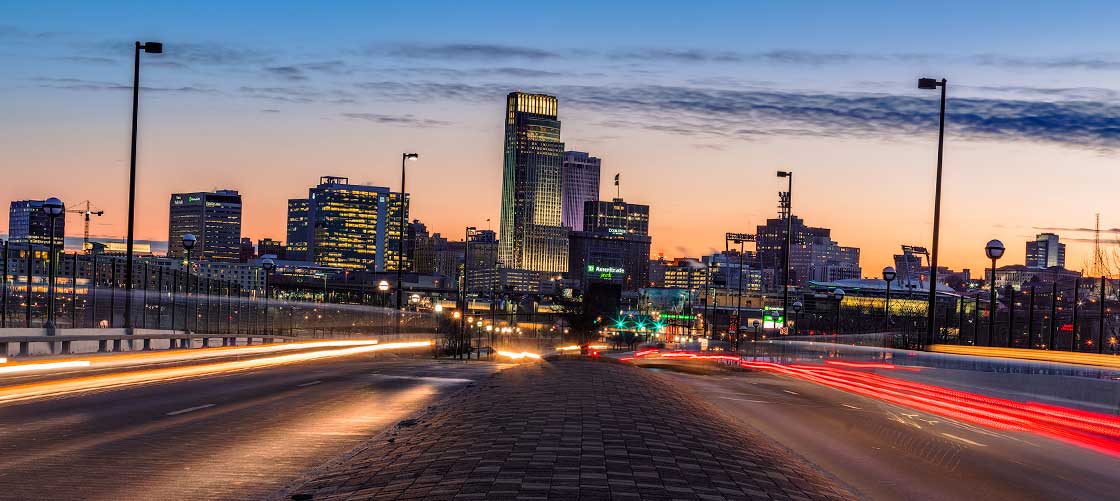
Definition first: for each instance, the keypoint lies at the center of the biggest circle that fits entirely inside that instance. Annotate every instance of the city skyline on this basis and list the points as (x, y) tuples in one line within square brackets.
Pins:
[(260, 115)]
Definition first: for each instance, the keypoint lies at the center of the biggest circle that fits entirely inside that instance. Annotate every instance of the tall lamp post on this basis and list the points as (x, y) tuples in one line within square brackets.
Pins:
[(268, 265), (797, 306), (53, 207), (888, 277), (188, 244), (931, 314), (150, 48), (405, 157), (787, 204), (839, 295), (994, 250)]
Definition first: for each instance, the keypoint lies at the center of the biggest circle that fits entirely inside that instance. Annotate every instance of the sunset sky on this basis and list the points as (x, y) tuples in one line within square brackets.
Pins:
[(695, 104)]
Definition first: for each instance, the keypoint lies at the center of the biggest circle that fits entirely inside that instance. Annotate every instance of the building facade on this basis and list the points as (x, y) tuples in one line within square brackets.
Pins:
[(616, 217), (621, 259), (28, 223), (532, 235), (299, 232), (348, 226), (813, 254), (214, 218), (580, 174), (270, 247), (1045, 251)]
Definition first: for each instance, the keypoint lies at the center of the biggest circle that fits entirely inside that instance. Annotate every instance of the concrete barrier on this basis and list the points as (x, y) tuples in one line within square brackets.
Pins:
[(40, 342)]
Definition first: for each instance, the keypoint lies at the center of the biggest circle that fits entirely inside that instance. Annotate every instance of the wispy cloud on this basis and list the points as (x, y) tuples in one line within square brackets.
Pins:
[(286, 72), (79, 84), (746, 114), (404, 120), (461, 51)]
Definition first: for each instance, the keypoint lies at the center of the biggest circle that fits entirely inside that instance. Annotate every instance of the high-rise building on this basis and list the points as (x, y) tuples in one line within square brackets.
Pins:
[(348, 226), (270, 247), (214, 218), (614, 246), (532, 235), (813, 254), (616, 217), (299, 232), (580, 175), (1045, 251), (481, 260), (28, 223)]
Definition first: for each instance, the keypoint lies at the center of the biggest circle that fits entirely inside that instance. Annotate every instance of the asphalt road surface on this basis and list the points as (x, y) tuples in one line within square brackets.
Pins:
[(233, 435), (884, 451)]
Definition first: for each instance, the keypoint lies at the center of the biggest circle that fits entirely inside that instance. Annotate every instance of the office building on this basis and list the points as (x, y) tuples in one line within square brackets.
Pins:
[(813, 254), (299, 233), (1045, 251), (731, 271), (616, 217), (248, 252), (1021, 277), (614, 246), (28, 223), (686, 273), (481, 260), (347, 226), (580, 174), (214, 218), (532, 235), (270, 247)]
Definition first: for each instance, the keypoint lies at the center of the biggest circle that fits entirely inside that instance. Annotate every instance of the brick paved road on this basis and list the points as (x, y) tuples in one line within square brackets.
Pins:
[(569, 430)]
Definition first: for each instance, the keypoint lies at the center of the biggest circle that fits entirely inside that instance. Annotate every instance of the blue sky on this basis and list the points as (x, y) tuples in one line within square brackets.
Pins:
[(695, 105)]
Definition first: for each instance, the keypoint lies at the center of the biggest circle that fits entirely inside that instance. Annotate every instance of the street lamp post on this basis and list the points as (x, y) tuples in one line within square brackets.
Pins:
[(53, 207), (188, 244), (268, 265), (797, 306), (150, 48), (931, 318), (888, 276), (405, 157), (839, 294), (994, 250), (788, 206)]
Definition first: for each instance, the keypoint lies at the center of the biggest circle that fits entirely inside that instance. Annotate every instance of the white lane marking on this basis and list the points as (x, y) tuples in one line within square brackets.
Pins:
[(746, 400), (852, 407), (189, 409), (791, 392), (309, 383), (965, 440)]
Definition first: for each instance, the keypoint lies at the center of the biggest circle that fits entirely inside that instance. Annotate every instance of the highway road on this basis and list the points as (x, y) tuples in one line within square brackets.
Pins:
[(238, 434), (886, 451)]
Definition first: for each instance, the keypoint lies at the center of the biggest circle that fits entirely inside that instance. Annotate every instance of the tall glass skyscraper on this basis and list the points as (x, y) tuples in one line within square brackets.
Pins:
[(532, 235), (28, 223), (347, 225), (213, 218), (580, 174)]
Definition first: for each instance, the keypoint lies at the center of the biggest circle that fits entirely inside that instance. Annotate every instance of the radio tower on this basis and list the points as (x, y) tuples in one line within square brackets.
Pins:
[(1098, 269)]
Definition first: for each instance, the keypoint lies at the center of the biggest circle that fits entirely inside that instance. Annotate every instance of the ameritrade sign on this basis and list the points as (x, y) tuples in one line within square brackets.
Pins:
[(604, 272)]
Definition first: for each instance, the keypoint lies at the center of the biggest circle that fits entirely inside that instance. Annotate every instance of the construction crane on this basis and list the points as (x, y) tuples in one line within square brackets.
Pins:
[(87, 212)]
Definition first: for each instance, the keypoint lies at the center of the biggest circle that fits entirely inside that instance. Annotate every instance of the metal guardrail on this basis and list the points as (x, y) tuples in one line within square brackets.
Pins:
[(62, 344)]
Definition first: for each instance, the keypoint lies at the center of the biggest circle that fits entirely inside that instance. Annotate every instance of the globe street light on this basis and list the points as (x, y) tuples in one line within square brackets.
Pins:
[(188, 244), (150, 48), (797, 306), (888, 276), (931, 317), (994, 250), (267, 264), (53, 208), (839, 295)]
